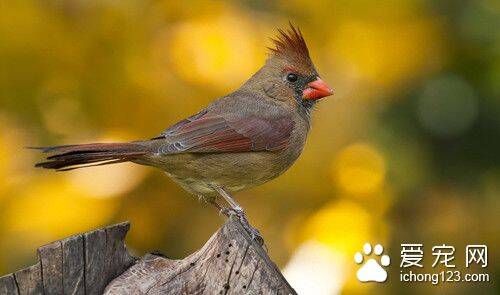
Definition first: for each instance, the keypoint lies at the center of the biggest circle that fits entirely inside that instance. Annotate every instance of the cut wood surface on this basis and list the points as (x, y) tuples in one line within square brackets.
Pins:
[(97, 262), (82, 264)]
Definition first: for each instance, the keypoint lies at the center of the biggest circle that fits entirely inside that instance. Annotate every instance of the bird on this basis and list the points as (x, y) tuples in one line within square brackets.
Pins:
[(241, 140)]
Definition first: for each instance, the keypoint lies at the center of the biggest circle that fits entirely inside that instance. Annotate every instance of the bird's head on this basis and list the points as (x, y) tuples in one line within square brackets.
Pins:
[(289, 74)]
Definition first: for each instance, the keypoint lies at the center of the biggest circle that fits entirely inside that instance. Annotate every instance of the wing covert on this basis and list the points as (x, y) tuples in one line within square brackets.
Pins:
[(205, 133)]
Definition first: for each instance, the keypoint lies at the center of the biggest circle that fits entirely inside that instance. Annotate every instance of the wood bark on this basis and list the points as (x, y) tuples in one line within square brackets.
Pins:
[(97, 262)]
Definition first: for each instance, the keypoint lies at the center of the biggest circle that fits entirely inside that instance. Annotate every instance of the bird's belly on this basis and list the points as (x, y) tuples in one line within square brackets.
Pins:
[(235, 171), (203, 187)]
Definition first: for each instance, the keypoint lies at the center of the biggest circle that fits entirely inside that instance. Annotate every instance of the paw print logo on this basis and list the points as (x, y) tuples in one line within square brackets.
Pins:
[(371, 270)]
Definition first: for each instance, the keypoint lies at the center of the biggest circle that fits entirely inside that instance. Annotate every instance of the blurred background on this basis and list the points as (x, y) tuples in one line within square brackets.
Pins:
[(406, 151)]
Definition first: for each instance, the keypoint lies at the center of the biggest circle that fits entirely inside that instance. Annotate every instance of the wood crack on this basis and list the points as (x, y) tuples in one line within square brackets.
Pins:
[(227, 285), (253, 274)]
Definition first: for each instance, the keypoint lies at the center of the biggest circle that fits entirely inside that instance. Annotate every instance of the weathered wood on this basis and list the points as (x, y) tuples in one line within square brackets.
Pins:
[(229, 263), (106, 256), (98, 261), (95, 249), (51, 259), (8, 285), (118, 258), (79, 265), (29, 280), (73, 265)]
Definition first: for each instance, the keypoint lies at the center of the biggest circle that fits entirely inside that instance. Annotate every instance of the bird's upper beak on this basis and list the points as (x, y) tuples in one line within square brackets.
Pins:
[(317, 89)]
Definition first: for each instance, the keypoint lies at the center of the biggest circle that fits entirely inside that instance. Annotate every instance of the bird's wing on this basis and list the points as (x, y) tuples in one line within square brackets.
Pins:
[(211, 133)]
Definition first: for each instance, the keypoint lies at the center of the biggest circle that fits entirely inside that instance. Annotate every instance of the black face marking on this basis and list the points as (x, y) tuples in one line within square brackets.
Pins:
[(299, 87)]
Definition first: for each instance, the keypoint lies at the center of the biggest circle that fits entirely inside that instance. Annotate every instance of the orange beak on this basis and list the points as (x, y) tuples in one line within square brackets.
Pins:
[(317, 89)]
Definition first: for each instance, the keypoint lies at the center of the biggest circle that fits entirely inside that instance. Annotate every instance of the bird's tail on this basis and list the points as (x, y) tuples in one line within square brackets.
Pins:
[(69, 157)]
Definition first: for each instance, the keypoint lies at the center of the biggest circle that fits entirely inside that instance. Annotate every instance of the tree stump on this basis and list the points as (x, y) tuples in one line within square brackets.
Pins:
[(97, 262), (81, 264)]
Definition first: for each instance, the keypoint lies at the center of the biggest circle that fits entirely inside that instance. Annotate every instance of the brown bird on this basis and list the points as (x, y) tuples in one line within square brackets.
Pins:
[(239, 141)]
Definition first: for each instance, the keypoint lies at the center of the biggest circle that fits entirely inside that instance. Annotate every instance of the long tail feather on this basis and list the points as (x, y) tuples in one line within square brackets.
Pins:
[(69, 157)]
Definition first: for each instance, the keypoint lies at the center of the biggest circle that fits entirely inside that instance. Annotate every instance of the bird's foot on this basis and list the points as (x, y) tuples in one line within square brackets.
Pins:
[(240, 214), (236, 210)]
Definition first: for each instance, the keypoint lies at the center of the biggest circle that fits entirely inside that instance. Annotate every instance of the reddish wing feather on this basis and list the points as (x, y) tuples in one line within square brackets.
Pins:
[(203, 133)]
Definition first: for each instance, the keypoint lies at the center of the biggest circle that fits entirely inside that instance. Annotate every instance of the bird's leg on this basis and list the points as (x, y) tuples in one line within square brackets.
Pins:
[(237, 210), (229, 199), (213, 202)]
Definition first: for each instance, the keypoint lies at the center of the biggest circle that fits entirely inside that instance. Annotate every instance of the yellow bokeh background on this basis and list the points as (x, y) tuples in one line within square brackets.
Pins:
[(405, 151)]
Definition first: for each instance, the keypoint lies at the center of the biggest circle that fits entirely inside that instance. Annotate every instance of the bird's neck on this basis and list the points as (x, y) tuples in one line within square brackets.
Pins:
[(257, 85)]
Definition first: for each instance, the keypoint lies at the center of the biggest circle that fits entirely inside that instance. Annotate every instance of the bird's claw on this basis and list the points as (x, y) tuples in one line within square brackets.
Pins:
[(256, 236), (226, 211), (240, 214), (237, 211)]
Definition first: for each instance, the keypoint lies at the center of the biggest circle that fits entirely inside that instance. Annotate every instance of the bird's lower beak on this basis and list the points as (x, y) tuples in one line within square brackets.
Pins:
[(317, 89)]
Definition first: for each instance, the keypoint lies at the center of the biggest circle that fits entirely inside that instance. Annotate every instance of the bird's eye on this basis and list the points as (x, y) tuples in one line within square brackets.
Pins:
[(292, 77)]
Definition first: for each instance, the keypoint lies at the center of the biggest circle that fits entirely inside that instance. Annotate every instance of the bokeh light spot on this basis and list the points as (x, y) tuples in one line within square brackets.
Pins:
[(377, 53), (344, 226), (56, 209), (359, 168), (315, 269), (107, 181), (220, 52), (447, 106)]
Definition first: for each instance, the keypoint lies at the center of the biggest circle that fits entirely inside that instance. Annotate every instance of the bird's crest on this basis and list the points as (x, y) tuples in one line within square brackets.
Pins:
[(290, 43)]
